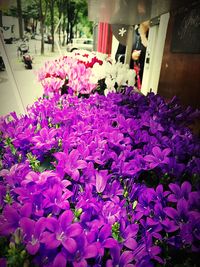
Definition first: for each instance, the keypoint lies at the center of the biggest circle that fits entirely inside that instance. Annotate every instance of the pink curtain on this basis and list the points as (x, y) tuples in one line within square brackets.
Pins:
[(104, 38)]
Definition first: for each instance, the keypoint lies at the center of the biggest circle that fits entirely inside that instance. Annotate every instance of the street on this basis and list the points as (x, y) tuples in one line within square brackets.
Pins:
[(29, 89)]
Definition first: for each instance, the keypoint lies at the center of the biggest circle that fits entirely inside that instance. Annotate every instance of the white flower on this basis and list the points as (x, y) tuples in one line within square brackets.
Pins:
[(110, 83), (131, 77)]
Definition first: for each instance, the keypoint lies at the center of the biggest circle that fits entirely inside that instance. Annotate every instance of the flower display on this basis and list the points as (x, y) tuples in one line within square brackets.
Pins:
[(84, 73), (68, 74), (99, 181)]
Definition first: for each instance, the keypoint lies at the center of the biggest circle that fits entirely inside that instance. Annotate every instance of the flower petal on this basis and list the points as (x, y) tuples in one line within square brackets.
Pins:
[(32, 249), (90, 252), (74, 229), (60, 260), (70, 245), (66, 219), (126, 258)]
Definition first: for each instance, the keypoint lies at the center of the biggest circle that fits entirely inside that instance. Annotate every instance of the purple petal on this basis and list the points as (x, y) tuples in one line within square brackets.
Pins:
[(172, 198), (175, 189), (101, 181), (11, 214), (40, 226), (60, 156), (115, 254), (33, 248), (27, 225), (186, 189), (105, 232), (159, 189), (155, 250), (82, 263), (74, 229), (182, 207), (126, 258), (109, 263), (75, 175), (60, 260), (26, 210), (171, 212), (90, 252), (81, 164), (149, 158), (51, 224), (130, 243), (169, 226), (166, 151), (186, 233), (70, 245), (158, 259), (50, 240), (66, 219), (156, 151), (44, 133), (110, 243), (131, 230)]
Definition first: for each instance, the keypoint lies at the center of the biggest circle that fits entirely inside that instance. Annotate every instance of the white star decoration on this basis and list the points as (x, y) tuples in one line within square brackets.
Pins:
[(122, 31)]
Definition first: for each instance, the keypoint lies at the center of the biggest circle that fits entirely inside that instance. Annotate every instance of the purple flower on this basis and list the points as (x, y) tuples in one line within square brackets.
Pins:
[(161, 195), (101, 238), (179, 192), (61, 232), (83, 251), (146, 250), (112, 212), (179, 215), (9, 220), (159, 157), (136, 165), (32, 232), (152, 226), (56, 199), (45, 139), (70, 164), (144, 204), (155, 127), (113, 191), (129, 233), (125, 259)]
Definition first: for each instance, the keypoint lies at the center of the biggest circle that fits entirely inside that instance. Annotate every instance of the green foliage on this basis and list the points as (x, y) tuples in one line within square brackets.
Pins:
[(31, 10), (8, 143), (14, 251), (34, 163)]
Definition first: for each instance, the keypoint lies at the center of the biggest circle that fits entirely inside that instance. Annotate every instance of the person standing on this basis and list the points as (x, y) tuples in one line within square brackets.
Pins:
[(139, 50)]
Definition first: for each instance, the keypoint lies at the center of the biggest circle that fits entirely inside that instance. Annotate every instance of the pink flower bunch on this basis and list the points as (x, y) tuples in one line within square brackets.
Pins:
[(65, 72)]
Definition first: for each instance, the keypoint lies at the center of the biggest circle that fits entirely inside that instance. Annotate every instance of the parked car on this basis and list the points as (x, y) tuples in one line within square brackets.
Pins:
[(8, 34), (80, 43)]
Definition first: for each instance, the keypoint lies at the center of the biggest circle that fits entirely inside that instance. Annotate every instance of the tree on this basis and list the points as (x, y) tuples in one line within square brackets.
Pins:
[(43, 5), (19, 11), (51, 8), (31, 11), (76, 12), (60, 4), (1, 18)]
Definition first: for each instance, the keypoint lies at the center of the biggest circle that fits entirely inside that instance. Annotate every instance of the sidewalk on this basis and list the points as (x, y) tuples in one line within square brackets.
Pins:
[(26, 80)]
